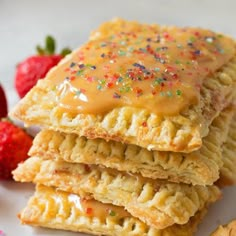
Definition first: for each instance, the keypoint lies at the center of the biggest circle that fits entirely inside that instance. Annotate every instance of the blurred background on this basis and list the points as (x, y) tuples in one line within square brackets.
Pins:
[(24, 23)]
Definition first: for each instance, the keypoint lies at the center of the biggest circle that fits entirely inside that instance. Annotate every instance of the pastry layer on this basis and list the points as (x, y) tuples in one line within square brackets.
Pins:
[(56, 209), (181, 132), (228, 171), (199, 167), (155, 202), (226, 230)]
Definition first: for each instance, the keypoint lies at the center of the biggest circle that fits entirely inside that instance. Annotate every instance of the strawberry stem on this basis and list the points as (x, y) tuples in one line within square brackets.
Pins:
[(50, 47)]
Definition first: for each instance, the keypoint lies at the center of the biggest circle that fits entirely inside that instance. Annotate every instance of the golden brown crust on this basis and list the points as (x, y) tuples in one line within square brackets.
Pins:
[(181, 133), (51, 208), (199, 167), (116, 151), (157, 203), (228, 171), (226, 230)]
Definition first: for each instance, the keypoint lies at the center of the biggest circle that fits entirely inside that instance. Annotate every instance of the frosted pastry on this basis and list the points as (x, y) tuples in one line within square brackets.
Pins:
[(153, 86), (56, 209), (226, 230), (157, 203), (199, 167)]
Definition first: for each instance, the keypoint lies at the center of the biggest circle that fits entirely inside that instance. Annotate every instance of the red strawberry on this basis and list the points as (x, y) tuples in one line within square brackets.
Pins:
[(14, 146), (36, 67), (31, 70), (3, 103)]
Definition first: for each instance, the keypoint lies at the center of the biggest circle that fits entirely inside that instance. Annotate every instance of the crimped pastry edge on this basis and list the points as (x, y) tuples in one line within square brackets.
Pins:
[(228, 170), (158, 203), (199, 167), (37, 214), (182, 133)]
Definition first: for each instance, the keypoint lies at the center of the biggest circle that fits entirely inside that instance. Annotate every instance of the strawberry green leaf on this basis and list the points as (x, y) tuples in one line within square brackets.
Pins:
[(50, 45), (50, 48), (65, 51), (40, 50)]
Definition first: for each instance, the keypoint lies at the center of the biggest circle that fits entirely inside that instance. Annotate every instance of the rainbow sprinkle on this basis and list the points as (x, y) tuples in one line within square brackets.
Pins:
[(145, 62)]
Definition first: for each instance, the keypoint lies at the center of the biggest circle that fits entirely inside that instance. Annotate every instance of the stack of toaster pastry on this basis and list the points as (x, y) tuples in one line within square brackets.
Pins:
[(138, 132)]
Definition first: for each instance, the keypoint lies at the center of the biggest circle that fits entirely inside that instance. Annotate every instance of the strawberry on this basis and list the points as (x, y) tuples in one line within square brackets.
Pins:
[(14, 146), (36, 67), (3, 103)]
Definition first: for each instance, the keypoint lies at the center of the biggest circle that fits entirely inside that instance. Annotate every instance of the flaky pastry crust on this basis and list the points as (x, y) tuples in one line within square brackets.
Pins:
[(228, 171), (51, 208), (226, 230), (157, 203), (199, 167)]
